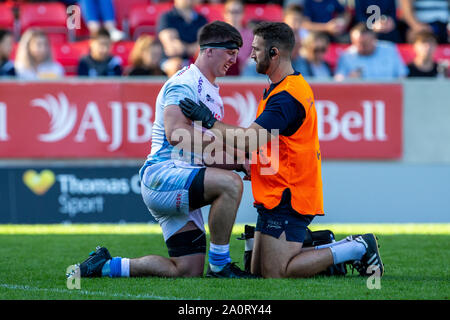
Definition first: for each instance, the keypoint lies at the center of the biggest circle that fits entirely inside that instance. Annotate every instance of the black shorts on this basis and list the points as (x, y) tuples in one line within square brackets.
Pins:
[(197, 190), (283, 218), (187, 243)]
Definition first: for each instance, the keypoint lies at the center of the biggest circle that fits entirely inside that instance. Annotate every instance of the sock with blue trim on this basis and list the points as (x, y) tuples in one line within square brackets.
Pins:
[(219, 256), (116, 267)]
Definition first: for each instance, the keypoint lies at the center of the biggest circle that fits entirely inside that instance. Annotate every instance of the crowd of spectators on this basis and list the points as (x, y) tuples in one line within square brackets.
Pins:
[(368, 34)]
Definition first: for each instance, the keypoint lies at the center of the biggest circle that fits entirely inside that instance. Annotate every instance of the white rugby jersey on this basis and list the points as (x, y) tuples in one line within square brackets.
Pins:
[(190, 83)]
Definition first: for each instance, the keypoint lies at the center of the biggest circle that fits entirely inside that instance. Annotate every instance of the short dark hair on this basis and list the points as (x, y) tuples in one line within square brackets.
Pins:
[(102, 32), (4, 33), (276, 34), (424, 36), (219, 31)]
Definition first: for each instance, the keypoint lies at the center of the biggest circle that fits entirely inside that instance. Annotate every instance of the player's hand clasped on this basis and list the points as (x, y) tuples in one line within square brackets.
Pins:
[(198, 112)]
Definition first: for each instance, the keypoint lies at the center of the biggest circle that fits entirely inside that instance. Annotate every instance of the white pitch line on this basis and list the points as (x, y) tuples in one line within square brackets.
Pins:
[(85, 292)]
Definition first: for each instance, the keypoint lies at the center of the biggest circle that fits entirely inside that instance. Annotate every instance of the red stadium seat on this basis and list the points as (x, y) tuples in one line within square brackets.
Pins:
[(260, 12), (442, 53), (6, 17), (122, 49), (122, 9), (51, 17), (69, 54), (212, 11), (333, 53), (144, 18), (406, 52), (83, 31)]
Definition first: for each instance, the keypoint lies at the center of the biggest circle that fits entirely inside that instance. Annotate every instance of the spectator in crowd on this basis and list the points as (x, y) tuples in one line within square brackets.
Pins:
[(100, 61), (424, 45), (234, 15), (145, 58), (293, 17), (34, 57), (369, 58), (327, 16), (100, 12), (6, 47), (312, 63), (177, 31), (429, 15), (385, 25)]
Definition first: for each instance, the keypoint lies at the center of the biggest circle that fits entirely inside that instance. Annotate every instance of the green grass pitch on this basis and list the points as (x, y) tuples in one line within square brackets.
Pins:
[(34, 260)]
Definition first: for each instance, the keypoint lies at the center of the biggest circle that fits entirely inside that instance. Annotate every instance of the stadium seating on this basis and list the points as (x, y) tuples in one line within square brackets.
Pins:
[(123, 49), (82, 32), (144, 18), (122, 9), (406, 52), (212, 11), (6, 17), (333, 53), (442, 52), (51, 17), (68, 54), (258, 12)]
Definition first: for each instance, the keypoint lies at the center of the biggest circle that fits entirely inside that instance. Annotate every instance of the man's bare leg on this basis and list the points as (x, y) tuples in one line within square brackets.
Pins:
[(184, 266), (223, 189), (291, 261)]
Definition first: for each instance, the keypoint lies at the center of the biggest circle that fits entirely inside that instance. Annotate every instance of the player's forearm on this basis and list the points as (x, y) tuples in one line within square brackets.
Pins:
[(246, 140), (223, 156)]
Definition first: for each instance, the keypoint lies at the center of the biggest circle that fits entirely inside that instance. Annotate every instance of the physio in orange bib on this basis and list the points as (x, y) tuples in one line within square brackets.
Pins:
[(295, 156), (285, 167)]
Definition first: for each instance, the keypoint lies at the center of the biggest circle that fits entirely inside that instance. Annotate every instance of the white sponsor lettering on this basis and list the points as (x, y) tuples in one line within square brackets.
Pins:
[(352, 125), (63, 117), (3, 123), (116, 108), (135, 122), (91, 120)]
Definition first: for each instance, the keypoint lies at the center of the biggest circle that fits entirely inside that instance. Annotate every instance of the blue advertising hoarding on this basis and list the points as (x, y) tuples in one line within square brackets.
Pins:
[(71, 195)]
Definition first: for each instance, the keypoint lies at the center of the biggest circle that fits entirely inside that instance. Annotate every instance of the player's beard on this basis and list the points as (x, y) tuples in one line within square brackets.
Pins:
[(262, 66)]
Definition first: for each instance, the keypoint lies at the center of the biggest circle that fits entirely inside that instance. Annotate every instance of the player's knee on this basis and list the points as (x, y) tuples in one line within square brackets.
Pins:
[(269, 269), (188, 268), (191, 272), (232, 185)]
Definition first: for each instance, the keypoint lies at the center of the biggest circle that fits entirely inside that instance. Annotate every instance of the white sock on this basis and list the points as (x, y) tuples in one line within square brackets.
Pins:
[(352, 250), (125, 267), (332, 244)]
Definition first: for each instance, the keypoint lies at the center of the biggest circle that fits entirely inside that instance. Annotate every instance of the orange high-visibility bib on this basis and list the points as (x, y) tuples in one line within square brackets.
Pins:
[(297, 162)]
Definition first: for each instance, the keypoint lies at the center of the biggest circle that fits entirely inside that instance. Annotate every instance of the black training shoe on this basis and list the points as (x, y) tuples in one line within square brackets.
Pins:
[(371, 261), (92, 266), (230, 270)]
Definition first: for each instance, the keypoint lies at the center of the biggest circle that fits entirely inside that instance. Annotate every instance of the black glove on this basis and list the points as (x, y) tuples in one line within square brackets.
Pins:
[(198, 112)]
